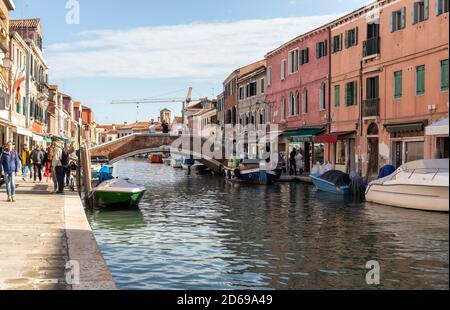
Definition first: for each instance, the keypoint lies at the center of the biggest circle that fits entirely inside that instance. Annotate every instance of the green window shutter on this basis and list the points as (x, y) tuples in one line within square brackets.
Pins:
[(398, 84), (393, 28), (336, 96), (346, 39), (403, 18), (444, 74), (439, 6), (356, 36), (415, 13), (355, 92), (307, 55), (376, 88), (318, 50), (420, 80), (426, 4)]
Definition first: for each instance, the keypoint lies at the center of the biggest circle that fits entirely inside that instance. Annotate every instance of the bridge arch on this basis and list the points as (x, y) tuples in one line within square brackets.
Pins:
[(135, 144)]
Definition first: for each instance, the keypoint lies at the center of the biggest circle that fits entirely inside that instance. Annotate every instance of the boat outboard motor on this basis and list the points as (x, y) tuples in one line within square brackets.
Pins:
[(357, 185)]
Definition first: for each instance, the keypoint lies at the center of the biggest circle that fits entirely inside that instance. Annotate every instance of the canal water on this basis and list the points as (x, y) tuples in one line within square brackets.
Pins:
[(199, 232)]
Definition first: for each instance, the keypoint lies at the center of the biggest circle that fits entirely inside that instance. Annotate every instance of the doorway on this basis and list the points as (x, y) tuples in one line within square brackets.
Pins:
[(372, 151)]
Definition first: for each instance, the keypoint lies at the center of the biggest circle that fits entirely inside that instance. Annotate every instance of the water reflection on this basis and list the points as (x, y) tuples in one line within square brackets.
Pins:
[(198, 232)]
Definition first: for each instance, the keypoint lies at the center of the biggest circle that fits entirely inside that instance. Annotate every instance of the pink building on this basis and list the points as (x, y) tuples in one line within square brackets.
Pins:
[(298, 92)]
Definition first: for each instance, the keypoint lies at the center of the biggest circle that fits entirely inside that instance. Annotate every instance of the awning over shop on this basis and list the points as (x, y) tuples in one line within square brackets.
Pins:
[(303, 134), (334, 137), (38, 138), (410, 127), (24, 132), (438, 128), (67, 140)]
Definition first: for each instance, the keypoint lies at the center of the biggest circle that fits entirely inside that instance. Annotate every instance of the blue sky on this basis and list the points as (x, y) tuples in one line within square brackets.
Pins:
[(144, 49)]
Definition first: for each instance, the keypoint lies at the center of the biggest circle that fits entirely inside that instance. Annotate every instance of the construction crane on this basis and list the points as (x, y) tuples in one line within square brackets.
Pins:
[(185, 101)]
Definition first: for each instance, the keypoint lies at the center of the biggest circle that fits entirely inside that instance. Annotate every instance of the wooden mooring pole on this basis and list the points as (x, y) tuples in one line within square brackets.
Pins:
[(87, 175)]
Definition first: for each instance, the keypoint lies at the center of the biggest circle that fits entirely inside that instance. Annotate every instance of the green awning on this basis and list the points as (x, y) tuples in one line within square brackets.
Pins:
[(411, 127), (67, 140), (303, 134)]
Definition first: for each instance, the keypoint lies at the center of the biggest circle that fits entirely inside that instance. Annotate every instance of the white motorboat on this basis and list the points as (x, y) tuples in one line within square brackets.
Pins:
[(176, 163), (420, 185)]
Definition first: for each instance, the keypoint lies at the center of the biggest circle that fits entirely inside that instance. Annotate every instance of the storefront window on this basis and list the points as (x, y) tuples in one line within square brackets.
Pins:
[(414, 151), (340, 152), (319, 153), (442, 148)]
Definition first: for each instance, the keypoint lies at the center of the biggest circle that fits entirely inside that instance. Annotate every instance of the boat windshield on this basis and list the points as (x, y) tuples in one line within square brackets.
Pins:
[(424, 174)]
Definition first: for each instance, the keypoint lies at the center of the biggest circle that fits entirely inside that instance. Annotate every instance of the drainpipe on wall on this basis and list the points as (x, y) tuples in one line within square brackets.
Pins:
[(27, 91), (329, 93), (360, 120)]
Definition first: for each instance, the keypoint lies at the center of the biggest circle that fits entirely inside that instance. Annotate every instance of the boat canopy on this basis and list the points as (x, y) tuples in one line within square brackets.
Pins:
[(427, 164), (438, 128), (336, 177)]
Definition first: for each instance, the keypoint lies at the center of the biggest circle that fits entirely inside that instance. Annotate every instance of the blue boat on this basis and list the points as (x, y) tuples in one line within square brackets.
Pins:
[(251, 172), (335, 182)]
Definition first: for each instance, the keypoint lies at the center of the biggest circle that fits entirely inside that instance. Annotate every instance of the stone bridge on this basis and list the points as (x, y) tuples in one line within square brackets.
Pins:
[(186, 145)]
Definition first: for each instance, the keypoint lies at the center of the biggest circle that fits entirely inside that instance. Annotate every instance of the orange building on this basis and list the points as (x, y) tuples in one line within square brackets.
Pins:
[(389, 81)]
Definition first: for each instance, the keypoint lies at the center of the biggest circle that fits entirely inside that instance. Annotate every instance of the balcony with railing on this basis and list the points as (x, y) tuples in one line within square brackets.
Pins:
[(371, 108), (372, 47)]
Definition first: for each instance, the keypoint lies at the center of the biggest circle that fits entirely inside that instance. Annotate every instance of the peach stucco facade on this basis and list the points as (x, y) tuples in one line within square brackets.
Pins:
[(389, 127)]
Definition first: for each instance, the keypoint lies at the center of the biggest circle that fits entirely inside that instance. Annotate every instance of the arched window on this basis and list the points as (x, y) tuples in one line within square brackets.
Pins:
[(372, 130), (247, 118), (297, 103), (262, 115), (322, 96), (291, 104), (305, 101), (283, 109)]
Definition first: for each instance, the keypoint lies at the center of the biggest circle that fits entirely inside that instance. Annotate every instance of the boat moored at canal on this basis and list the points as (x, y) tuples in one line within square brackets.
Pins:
[(335, 182), (156, 158), (253, 172), (117, 193), (420, 185)]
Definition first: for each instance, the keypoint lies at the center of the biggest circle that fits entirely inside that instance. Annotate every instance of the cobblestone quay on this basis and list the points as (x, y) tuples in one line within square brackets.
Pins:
[(39, 234)]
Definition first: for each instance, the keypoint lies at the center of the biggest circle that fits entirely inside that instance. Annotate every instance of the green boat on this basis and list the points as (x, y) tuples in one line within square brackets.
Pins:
[(119, 193)]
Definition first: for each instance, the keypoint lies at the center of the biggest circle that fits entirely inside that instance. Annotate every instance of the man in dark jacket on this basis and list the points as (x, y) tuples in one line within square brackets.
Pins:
[(38, 160), (9, 166), (165, 127)]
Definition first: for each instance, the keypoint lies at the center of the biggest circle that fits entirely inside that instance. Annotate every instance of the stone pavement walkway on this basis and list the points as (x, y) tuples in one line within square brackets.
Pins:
[(33, 243)]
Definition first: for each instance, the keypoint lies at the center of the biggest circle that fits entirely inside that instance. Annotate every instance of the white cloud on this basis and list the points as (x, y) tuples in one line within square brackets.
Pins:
[(195, 51)]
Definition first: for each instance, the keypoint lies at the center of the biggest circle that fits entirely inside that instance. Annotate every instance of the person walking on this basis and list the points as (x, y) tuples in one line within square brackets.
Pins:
[(292, 162), (47, 167), (58, 168), (66, 164), (165, 127), (26, 161), (299, 162), (9, 166), (38, 161), (152, 128)]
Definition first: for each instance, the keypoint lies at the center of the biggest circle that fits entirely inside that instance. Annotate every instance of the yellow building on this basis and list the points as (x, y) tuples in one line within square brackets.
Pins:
[(5, 123)]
